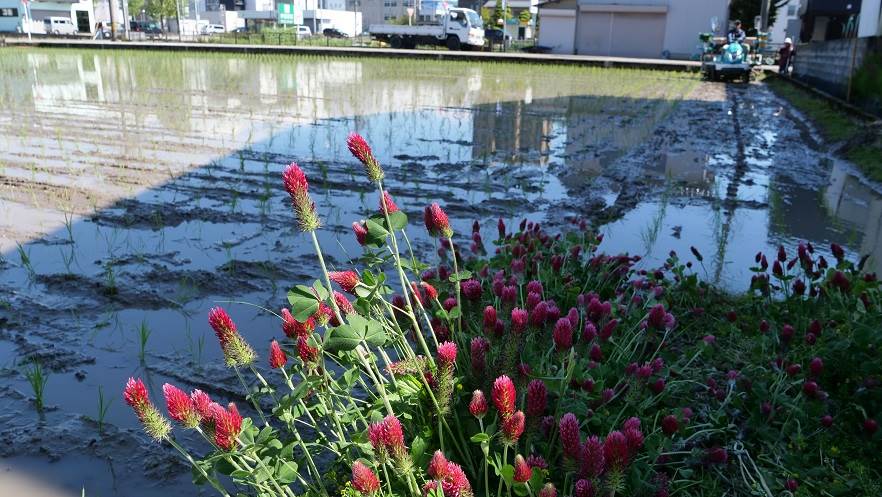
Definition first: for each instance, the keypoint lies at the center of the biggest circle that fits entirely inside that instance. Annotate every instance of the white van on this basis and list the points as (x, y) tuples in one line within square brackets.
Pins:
[(213, 28), (59, 26), (303, 31)]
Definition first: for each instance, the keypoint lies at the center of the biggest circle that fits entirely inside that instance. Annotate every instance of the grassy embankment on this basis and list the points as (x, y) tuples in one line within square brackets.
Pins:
[(863, 141)]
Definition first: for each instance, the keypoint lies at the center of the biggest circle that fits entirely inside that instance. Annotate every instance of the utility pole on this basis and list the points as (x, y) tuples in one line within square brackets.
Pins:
[(112, 20), (764, 16)]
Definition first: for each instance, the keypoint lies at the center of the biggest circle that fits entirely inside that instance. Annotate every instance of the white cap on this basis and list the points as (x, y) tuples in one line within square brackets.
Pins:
[(788, 40)]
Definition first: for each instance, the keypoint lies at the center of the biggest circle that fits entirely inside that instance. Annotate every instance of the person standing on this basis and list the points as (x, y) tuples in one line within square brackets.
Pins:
[(785, 56)]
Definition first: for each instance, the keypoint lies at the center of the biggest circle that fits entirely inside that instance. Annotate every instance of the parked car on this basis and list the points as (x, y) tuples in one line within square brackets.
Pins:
[(59, 26), (334, 33), (242, 29), (213, 28), (303, 31), (147, 27), (495, 35)]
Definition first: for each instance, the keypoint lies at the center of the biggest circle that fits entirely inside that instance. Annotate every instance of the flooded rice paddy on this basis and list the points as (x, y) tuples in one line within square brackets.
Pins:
[(139, 189)]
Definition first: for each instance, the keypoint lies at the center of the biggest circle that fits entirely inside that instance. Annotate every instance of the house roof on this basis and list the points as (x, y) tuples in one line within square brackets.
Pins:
[(514, 4)]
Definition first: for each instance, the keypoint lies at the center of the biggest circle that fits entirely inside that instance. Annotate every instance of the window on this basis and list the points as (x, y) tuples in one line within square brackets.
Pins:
[(8, 12), (791, 10)]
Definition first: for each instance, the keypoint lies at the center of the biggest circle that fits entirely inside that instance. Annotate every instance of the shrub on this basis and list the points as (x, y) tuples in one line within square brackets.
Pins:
[(547, 368)]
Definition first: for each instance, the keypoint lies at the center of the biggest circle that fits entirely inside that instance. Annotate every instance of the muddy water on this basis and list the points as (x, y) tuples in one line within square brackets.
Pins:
[(140, 189)]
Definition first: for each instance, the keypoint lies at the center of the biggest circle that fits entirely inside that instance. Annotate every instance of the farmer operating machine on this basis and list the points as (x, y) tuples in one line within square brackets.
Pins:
[(724, 59)]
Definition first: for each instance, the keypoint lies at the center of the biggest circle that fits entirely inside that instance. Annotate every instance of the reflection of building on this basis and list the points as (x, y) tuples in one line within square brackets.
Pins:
[(627, 28), (511, 131), (690, 169), (849, 200)]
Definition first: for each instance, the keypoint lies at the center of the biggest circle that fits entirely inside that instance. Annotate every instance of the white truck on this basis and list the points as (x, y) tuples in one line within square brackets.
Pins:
[(460, 29)]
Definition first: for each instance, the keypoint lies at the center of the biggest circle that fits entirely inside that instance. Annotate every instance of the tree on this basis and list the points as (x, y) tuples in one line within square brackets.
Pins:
[(525, 16), (161, 9), (497, 13), (747, 10), (135, 7)]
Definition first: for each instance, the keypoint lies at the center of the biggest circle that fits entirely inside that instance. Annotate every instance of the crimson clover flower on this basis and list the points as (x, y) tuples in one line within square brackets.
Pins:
[(360, 149), (180, 406), (236, 350), (297, 187), (155, 424)]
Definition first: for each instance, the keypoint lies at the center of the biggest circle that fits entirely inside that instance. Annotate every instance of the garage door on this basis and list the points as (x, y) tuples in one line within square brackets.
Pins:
[(556, 28), (621, 34)]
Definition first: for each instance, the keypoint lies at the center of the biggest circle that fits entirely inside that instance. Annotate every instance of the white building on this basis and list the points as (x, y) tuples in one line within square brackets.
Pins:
[(787, 23), (628, 28), (315, 14), (12, 15), (513, 27)]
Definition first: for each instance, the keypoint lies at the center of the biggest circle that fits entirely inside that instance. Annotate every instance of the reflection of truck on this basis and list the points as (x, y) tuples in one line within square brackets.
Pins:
[(460, 29)]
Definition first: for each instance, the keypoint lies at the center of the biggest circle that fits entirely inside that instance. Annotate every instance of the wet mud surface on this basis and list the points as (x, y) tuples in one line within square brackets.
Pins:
[(138, 190)]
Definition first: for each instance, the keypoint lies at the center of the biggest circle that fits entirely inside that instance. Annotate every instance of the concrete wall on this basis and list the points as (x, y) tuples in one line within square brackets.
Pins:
[(556, 30), (682, 21), (687, 18), (828, 65)]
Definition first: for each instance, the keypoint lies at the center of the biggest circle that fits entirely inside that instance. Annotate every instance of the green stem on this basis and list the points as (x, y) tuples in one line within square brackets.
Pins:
[(458, 297), (214, 483), (504, 460), (360, 349)]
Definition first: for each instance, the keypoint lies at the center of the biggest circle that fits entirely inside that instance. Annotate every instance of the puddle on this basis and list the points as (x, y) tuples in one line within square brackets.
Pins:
[(144, 188)]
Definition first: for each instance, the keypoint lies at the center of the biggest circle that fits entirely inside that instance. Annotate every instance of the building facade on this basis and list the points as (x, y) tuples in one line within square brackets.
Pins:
[(787, 22), (628, 28), (13, 15)]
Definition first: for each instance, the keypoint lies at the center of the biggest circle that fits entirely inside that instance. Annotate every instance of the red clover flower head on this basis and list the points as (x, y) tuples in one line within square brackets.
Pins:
[(155, 424), (479, 348), (592, 460), (180, 406), (277, 357), (503, 395), (447, 355), (360, 149), (227, 425), (387, 205), (670, 424), (522, 471), (347, 280), (237, 352), (563, 335), (436, 221), (548, 490), (615, 451), (202, 404), (297, 187), (519, 319), (360, 232), (569, 435), (583, 488), (295, 329), (471, 289), (364, 479), (513, 428), (478, 404), (537, 398)]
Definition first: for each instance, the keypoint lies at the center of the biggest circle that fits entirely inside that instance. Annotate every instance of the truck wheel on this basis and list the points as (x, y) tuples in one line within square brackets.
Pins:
[(396, 41), (452, 43)]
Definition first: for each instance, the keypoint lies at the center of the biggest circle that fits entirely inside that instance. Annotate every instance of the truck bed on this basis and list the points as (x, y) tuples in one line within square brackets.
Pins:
[(396, 29)]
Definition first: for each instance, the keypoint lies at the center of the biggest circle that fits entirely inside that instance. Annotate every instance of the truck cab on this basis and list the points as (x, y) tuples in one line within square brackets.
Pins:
[(466, 26), (458, 29)]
